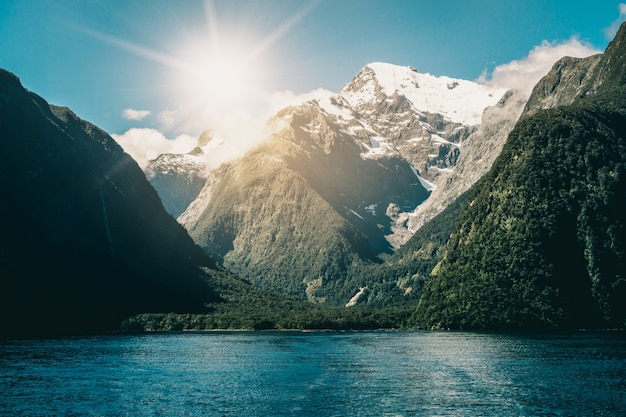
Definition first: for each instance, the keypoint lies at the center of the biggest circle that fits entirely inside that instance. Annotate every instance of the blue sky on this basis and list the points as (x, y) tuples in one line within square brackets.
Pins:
[(107, 58)]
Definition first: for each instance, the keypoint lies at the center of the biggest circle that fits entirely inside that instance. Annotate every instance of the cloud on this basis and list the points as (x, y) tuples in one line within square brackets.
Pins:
[(281, 99), (238, 128), (523, 74), (132, 114), (145, 144), (611, 31), (235, 133), (167, 118)]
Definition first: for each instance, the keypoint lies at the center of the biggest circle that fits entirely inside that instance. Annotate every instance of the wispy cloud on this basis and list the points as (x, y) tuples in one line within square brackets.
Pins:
[(281, 99), (132, 114), (233, 102), (611, 30), (167, 118), (147, 144), (524, 73)]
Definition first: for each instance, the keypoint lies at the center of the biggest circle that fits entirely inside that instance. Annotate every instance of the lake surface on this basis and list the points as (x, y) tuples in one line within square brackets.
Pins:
[(323, 374)]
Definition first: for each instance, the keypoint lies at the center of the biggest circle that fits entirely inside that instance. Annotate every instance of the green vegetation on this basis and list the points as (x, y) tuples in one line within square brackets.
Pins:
[(291, 318), (246, 307), (399, 280), (259, 228), (542, 241), (284, 216)]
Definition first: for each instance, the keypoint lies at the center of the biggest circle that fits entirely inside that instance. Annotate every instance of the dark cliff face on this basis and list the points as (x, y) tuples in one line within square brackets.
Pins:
[(85, 240), (542, 240)]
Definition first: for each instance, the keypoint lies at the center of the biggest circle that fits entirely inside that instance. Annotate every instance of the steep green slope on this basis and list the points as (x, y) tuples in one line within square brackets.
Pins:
[(399, 280), (543, 239), (542, 242)]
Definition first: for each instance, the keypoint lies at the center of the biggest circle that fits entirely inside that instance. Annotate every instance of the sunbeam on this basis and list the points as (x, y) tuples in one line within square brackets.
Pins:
[(214, 78)]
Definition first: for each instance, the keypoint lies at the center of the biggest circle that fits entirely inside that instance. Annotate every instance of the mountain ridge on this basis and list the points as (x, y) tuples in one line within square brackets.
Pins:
[(350, 160)]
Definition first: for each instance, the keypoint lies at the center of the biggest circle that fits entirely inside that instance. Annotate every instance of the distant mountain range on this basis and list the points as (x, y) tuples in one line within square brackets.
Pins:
[(179, 178), (326, 208)]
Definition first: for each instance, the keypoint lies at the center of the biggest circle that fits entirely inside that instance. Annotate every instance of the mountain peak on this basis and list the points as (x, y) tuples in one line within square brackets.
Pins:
[(205, 138), (459, 101), (9, 77)]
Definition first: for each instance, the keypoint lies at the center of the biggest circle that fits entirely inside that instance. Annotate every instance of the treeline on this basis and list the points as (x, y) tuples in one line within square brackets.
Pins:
[(297, 316), (244, 306), (399, 280)]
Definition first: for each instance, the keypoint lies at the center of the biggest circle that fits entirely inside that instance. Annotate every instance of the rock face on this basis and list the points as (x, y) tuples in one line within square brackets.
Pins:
[(480, 150), (179, 178), (422, 117), (85, 240), (569, 79), (333, 187), (542, 240)]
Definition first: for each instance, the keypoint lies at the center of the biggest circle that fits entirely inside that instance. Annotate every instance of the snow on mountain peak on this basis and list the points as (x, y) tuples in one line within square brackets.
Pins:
[(459, 101)]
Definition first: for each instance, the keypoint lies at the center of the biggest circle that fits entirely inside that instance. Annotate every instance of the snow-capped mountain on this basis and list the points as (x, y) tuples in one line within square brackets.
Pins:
[(479, 151), (392, 110), (334, 185), (425, 118), (178, 178), (456, 100)]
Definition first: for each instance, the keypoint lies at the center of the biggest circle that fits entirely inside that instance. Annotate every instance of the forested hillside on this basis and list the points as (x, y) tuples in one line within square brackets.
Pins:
[(542, 241)]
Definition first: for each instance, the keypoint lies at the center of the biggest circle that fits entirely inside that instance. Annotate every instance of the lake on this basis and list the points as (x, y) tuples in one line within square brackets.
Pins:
[(383, 373)]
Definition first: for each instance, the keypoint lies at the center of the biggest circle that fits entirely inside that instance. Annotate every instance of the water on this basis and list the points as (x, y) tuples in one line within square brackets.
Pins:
[(321, 374)]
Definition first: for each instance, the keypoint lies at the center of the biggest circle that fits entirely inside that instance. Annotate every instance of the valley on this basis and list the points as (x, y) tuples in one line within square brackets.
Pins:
[(403, 200)]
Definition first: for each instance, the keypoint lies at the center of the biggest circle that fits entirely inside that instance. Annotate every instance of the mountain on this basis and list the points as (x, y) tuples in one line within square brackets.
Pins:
[(179, 178), (85, 240), (332, 188), (479, 151), (542, 240), (450, 130)]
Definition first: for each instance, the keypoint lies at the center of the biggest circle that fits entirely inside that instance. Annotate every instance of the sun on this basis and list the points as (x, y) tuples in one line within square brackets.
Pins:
[(220, 75), (214, 75)]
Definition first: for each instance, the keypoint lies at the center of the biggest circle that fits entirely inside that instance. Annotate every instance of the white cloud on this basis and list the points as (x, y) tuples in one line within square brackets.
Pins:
[(239, 127), (611, 31), (281, 99), (523, 74), (167, 118), (132, 114), (146, 144)]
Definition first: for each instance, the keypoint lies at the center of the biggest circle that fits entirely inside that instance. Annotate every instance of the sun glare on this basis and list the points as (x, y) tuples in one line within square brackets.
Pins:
[(219, 77), (216, 76)]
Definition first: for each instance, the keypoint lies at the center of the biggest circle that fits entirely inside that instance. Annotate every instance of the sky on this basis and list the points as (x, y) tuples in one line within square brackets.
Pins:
[(156, 73)]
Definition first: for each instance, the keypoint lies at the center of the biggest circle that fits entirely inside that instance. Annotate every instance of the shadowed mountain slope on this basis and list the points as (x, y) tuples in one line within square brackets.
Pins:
[(85, 240)]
